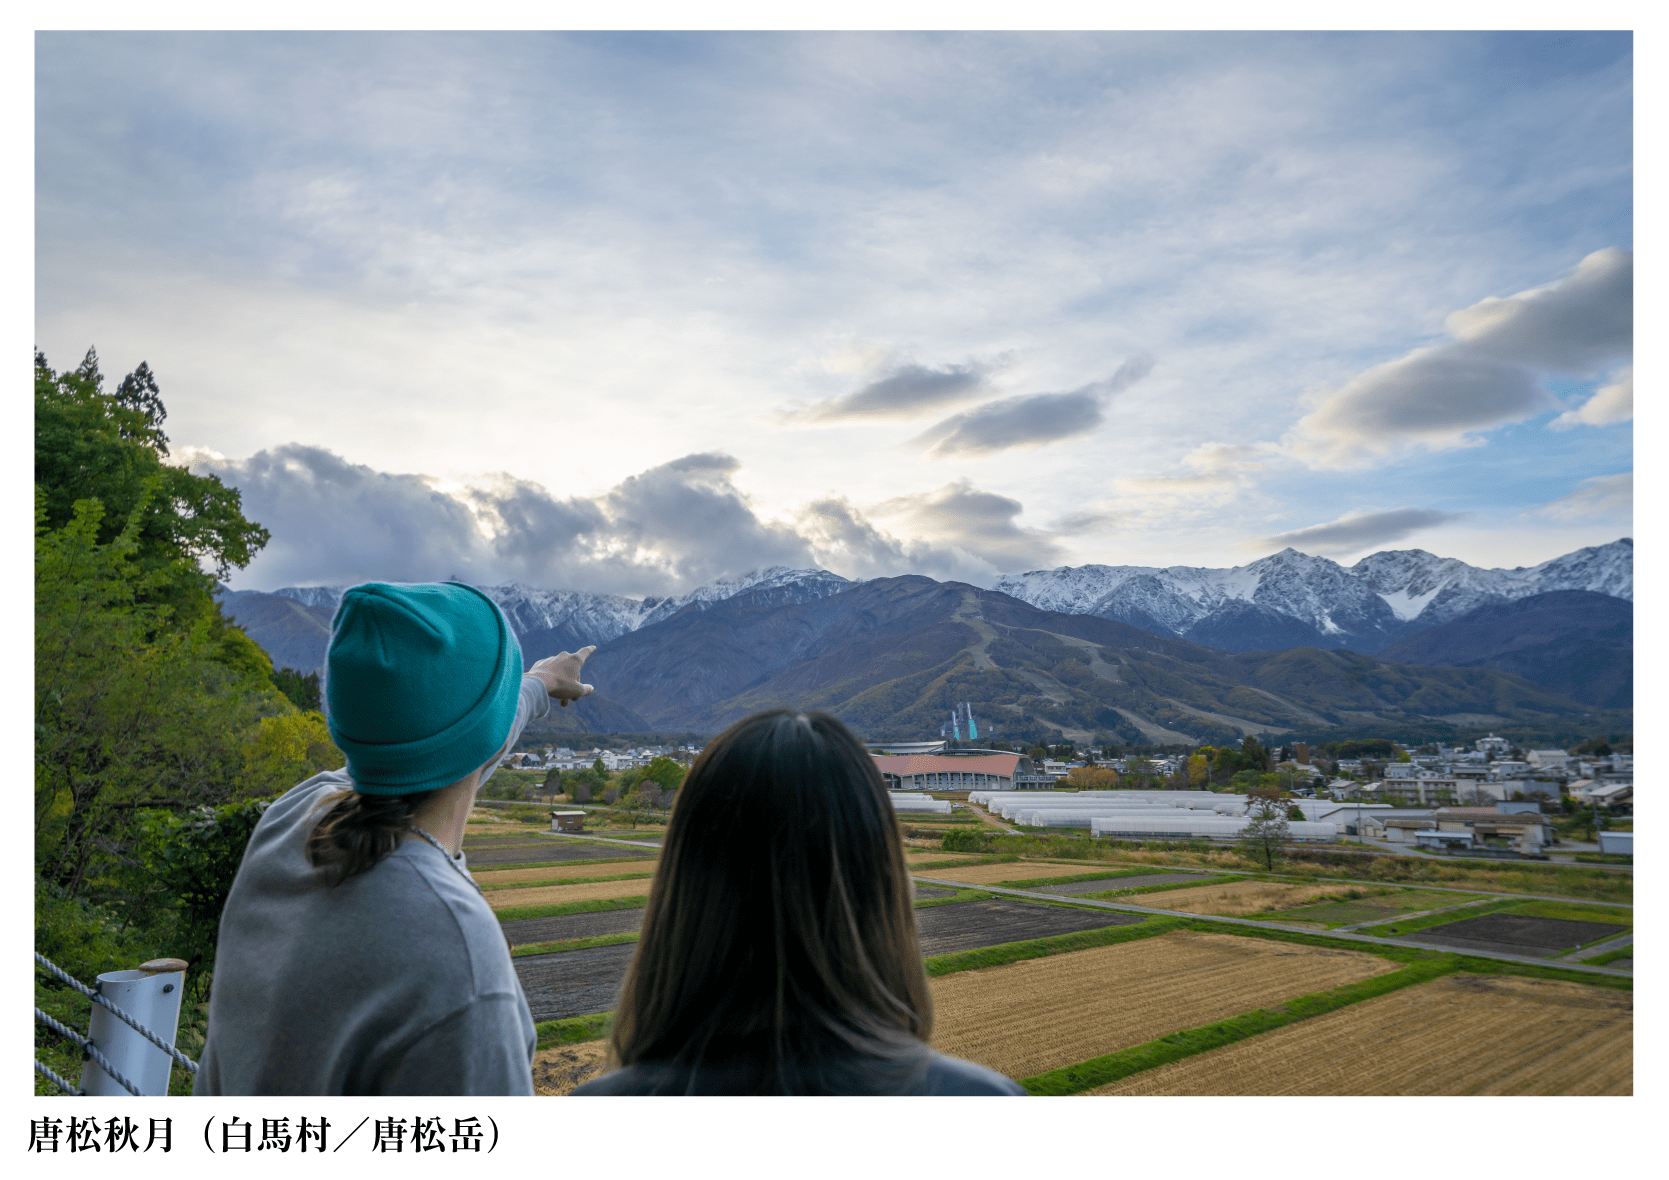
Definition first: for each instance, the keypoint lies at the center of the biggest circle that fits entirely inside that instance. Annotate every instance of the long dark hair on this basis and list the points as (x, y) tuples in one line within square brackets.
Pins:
[(357, 831), (779, 947)]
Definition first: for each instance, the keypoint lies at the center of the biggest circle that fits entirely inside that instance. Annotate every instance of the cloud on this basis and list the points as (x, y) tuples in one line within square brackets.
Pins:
[(980, 523), (663, 531), (1610, 404), (1031, 420), (1571, 326), (1439, 397), (1603, 495), (1357, 531), (907, 390)]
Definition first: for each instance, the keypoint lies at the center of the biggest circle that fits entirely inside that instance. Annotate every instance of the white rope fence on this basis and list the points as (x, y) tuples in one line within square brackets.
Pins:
[(87, 1045)]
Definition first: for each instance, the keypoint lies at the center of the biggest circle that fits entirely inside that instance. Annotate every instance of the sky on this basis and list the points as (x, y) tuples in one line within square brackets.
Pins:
[(627, 313)]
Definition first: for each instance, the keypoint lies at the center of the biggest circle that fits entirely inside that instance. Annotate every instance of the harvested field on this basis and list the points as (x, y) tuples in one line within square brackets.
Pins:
[(1041, 1014), (1514, 934), (968, 925), (914, 856), (553, 873), (564, 927), (1463, 1034), (547, 850), (501, 899), (1076, 887), (1239, 899), (574, 983), (1021, 871), (561, 1069), (927, 891)]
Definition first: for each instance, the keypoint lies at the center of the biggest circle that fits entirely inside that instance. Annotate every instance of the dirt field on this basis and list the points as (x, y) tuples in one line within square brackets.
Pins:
[(1237, 899), (542, 852), (1378, 909), (561, 1068), (1516, 934), (1462, 1034), (1076, 887), (553, 873), (1028, 1017), (501, 899), (574, 983), (1019, 871), (913, 857), (968, 925), (564, 927)]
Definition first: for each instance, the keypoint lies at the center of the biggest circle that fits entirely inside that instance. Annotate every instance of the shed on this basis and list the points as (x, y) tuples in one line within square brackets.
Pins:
[(1617, 843), (1444, 840), (567, 821)]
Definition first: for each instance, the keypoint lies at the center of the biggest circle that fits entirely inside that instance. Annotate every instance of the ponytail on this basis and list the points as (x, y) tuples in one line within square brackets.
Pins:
[(359, 831)]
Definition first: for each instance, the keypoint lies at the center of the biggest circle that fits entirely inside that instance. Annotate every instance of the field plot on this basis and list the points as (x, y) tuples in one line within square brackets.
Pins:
[(551, 874), (501, 899), (928, 891), (1386, 908), (546, 851), (1073, 888), (1022, 871), (1238, 899), (915, 856), (1463, 1034), (565, 927), (574, 983), (968, 925), (560, 1070), (1041, 1014), (1514, 934)]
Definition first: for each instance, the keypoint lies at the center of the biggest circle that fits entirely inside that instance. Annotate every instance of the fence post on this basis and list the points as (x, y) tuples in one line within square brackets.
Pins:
[(151, 995)]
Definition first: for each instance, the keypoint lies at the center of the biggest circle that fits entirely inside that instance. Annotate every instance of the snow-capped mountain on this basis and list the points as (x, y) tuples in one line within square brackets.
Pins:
[(1431, 590), (549, 621), (1377, 600)]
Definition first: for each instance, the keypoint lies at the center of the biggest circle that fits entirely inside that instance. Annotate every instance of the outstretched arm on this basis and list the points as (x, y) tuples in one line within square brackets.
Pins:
[(561, 674)]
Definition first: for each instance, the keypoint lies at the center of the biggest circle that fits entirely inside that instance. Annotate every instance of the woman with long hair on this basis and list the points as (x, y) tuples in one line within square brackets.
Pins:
[(356, 954), (779, 951)]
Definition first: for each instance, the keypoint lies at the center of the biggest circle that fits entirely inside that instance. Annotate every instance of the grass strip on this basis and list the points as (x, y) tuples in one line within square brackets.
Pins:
[(565, 881), (573, 1030), (1075, 1079), (1626, 952), (1055, 944), (959, 896), (962, 862), (557, 909), (572, 944)]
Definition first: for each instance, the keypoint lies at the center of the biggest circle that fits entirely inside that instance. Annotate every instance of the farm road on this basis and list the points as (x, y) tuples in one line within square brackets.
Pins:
[(1410, 940)]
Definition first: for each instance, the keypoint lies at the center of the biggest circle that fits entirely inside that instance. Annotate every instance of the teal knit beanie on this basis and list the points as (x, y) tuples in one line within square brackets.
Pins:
[(420, 684)]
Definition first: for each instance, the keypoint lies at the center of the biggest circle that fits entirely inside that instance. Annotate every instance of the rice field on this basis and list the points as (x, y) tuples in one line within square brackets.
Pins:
[(1238, 899), (1041, 1014), (562, 1068), (1023, 871), (557, 873), (1462, 1034), (556, 894)]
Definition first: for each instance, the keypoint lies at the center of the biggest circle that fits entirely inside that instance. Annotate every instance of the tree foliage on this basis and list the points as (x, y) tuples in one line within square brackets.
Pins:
[(1262, 838)]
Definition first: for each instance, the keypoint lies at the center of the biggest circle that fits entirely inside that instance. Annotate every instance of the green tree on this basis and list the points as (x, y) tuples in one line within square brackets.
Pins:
[(667, 772), (303, 691), (133, 709), (1262, 838), (109, 447)]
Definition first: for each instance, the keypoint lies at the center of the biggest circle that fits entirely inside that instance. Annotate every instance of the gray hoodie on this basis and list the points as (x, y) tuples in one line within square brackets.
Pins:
[(397, 981)]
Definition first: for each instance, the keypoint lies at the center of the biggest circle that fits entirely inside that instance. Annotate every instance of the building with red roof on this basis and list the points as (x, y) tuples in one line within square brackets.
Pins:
[(948, 772)]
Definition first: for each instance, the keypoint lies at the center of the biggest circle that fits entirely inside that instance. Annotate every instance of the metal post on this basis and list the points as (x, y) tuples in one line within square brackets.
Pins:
[(151, 995)]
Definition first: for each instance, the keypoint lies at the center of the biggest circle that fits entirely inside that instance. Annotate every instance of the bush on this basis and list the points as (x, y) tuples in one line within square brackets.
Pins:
[(969, 841)]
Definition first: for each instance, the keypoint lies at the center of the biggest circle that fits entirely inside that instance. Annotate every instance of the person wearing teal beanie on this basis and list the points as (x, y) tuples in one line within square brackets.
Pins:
[(356, 953)]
